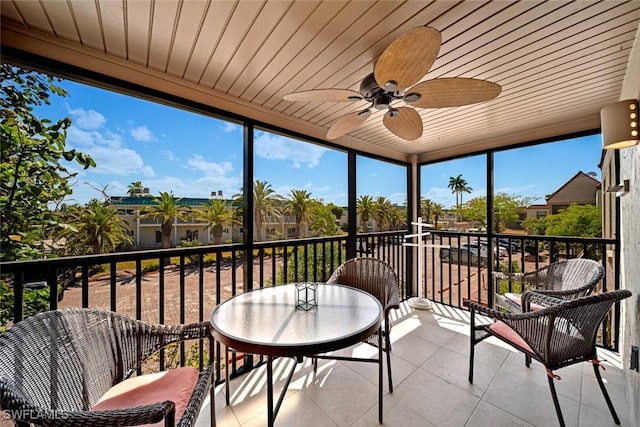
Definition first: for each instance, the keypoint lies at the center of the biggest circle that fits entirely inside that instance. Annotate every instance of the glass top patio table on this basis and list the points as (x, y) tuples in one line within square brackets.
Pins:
[(266, 321)]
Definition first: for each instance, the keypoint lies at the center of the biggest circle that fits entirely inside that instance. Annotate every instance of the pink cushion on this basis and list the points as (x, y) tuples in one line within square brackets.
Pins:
[(175, 385), (505, 331), (517, 299)]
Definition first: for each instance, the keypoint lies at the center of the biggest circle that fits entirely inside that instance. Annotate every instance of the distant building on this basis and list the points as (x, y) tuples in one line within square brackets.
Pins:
[(581, 189), (147, 233)]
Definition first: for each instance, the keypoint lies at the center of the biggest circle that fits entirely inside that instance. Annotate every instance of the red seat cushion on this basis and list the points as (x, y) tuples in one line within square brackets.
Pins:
[(505, 331), (175, 385)]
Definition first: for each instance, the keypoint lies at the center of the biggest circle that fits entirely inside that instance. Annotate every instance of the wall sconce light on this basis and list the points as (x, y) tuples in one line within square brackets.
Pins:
[(619, 124)]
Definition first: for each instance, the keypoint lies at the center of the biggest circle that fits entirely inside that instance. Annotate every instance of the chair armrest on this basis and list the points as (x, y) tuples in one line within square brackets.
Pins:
[(499, 315), (581, 291), (138, 415), (533, 278), (544, 298), (501, 275), (196, 330), (45, 417)]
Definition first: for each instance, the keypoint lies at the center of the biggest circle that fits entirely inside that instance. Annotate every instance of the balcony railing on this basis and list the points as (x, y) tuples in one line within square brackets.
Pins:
[(183, 285)]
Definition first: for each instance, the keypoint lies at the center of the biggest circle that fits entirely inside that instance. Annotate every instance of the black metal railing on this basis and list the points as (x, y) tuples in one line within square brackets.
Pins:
[(182, 285)]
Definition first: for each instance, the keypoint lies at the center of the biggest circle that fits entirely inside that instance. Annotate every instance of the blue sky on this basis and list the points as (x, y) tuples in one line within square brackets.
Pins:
[(169, 149)]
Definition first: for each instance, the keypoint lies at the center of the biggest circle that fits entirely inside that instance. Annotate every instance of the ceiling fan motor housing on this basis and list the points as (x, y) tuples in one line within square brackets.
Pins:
[(369, 87)]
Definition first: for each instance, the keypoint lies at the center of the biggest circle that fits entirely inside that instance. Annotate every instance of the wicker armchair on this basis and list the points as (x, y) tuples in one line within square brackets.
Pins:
[(55, 366), (378, 278), (568, 279), (562, 334)]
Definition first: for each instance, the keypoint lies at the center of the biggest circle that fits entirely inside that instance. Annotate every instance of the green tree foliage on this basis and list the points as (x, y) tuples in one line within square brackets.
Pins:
[(135, 188), (458, 185), (426, 208), (535, 226), (34, 177), (265, 203), (364, 207), (336, 210), (320, 258), (437, 210), (299, 205), (383, 212), (35, 301), (576, 220), (94, 228), (166, 208), (322, 219), (217, 215), (505, 208)]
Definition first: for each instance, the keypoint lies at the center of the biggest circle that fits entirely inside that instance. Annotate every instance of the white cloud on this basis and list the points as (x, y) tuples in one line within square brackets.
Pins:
[(198, 162), (199, 187), (275, 147), (109, 152), (142, 134), (229, 127), (87, 119), (168, 154)]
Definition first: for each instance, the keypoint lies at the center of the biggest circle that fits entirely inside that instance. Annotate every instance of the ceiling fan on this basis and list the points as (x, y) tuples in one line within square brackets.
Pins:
[(402, 64)]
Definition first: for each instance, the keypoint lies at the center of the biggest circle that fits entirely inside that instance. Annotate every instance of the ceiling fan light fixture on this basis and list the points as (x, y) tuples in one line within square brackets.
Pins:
[(391, 86), (382, 102), (369, 87), (396, 76), (412, 97)]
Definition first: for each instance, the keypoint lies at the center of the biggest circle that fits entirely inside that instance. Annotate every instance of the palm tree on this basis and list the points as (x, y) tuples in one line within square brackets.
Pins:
[(134, 188), (166, 208), (364, 208), (425, 209), (217, 215), (382, 211), (299, 205), (436, 210), (97, 226), (458, 185), (264, 205)]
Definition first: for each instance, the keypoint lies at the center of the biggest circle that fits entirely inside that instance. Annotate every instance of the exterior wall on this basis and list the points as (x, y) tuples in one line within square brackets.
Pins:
[(630, 238), (537, 211), (143, 231)]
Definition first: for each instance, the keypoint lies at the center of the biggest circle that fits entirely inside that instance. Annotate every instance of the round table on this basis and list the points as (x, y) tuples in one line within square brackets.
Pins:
[(266, 321)]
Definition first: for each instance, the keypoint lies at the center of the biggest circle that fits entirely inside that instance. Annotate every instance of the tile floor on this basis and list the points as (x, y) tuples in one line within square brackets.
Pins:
[(430, 368)]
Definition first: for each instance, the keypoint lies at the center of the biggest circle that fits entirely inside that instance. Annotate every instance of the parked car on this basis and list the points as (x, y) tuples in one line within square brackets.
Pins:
[(463, 256), (512, 247), (498, 251)]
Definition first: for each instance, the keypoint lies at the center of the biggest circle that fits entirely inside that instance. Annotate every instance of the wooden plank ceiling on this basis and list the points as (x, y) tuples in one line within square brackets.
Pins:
[(558, 62)]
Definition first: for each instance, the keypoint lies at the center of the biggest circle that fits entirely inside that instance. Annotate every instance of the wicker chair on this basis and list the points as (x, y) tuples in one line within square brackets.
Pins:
[(56, 365), (378, 278), (562, 334), (567, 279)]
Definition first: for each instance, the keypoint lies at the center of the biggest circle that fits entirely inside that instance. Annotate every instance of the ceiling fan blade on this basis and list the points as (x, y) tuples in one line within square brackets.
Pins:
[(452, 92), (408, 59), (404, 122), (346, 124), (336, 95)]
